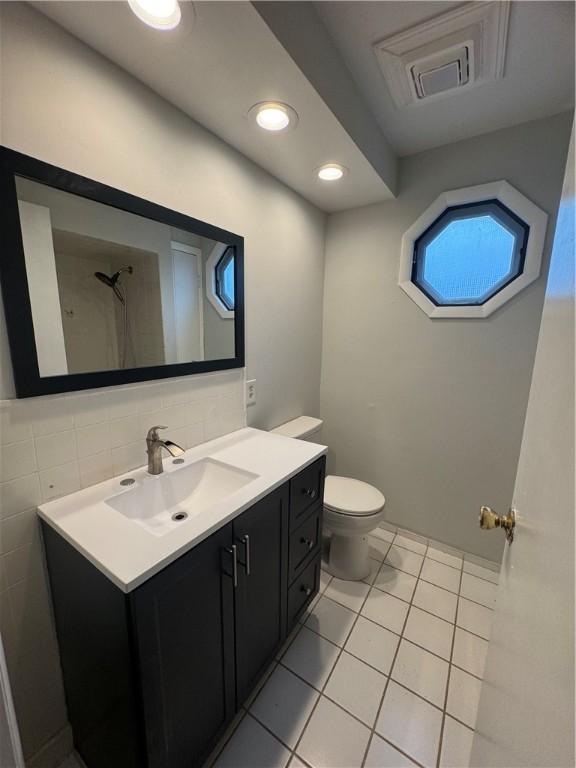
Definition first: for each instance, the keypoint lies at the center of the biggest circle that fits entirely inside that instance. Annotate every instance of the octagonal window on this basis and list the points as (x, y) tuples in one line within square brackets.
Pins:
[(224, 274), (469, 253)]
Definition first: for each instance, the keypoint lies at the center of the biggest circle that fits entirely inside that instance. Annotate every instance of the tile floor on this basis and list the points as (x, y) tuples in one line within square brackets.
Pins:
[(383, 673)]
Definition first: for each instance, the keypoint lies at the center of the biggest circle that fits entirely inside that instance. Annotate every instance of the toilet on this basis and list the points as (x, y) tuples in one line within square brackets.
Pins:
[(352, 509)]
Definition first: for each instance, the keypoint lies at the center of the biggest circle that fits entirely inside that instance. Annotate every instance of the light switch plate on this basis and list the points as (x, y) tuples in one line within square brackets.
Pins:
[(251, 392)]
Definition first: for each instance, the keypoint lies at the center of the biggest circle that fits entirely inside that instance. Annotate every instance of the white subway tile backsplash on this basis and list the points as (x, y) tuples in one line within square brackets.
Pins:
[(17, 460), (51, 415), (93, 439), (58, 481), (90, 409), (95, 468), (127, 457), (53, 450), (18, 530), (19, 495), (125, 431), (15, 426), (195, 435)]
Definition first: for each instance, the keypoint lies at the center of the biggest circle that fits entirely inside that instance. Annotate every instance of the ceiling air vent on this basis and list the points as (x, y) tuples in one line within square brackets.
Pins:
[(443, 72), (447, 54)]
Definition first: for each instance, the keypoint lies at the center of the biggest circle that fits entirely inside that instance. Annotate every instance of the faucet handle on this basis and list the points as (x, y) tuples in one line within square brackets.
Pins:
[(153, 432)]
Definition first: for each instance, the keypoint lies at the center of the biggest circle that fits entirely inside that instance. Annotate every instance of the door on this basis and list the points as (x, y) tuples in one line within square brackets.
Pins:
[(526, 713), (184, 626), (262, 572)]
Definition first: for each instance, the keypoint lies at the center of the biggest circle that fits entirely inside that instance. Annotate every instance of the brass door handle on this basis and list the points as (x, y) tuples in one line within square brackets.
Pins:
[(489, 519)]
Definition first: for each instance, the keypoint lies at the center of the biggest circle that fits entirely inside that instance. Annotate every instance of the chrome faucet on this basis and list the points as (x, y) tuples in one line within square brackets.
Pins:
[(154, 450)]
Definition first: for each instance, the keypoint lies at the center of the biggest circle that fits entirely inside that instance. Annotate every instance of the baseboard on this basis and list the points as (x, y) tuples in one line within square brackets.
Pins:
[(54, 751)]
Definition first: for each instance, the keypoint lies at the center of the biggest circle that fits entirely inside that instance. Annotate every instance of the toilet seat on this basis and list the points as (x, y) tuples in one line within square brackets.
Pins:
[(346, 496)]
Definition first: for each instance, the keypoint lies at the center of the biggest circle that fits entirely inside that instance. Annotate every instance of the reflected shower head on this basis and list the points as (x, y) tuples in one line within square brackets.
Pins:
[(111, 281)]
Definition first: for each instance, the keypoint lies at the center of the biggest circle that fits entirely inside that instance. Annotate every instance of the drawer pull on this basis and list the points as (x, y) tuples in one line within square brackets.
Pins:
[(307, 590), (311, 492), (309, 542)]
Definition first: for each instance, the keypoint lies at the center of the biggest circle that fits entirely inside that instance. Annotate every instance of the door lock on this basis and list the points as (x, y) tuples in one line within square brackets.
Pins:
[(489, 519)]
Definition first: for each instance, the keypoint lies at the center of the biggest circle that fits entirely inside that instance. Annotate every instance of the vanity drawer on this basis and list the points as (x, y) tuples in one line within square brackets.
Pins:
[(306, 490), (303, 590), (304, 540)]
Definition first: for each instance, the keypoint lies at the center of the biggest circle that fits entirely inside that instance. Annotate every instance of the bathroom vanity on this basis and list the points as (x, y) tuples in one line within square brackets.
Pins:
[(165, 623)]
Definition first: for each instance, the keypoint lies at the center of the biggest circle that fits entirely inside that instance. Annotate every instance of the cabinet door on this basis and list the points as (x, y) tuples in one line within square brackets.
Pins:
[(260, 536), (183, 621)]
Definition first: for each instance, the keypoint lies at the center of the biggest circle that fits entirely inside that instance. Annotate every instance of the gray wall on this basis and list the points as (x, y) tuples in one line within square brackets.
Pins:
[(65, 104), (431, 411)]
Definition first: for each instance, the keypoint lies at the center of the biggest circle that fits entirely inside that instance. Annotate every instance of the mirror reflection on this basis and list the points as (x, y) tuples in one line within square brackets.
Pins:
[(113, 290)]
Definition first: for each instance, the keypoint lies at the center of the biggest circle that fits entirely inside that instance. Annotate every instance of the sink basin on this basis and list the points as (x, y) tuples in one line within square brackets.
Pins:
[(162, 503)]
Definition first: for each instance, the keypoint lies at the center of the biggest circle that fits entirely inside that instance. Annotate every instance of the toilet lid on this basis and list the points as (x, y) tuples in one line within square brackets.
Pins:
[(351, 497)]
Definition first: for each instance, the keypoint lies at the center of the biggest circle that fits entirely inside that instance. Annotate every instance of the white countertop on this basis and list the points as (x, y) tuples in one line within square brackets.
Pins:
[(128, 553)]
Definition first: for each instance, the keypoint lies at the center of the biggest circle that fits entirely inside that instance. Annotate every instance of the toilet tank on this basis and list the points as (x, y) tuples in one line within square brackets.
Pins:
[(302, 428)]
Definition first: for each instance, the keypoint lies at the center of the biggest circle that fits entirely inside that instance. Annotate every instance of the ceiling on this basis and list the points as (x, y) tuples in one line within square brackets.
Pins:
[(318, 57), (538, 77), (215, 67)]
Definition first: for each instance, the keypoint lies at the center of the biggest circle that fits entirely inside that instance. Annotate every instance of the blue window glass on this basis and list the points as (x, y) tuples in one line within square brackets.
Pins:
[(469, 254), (225, 278)]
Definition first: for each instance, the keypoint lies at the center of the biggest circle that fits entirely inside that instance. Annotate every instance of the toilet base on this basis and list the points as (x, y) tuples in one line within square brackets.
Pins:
[(349, 557)]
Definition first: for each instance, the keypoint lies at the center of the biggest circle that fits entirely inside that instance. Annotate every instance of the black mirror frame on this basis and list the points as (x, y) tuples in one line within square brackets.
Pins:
[(16, 297)]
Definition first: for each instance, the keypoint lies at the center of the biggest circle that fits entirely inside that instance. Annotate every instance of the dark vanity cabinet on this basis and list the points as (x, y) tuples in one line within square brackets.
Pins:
[(152, 677)]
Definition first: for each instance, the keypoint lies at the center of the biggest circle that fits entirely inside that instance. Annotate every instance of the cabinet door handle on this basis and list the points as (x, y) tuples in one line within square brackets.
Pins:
[(234, 552), (311, 492), (309, 542), (246, 540), (307, 590)]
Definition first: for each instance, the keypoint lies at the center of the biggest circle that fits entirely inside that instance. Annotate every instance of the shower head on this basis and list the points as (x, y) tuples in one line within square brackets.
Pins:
[(111, 281)]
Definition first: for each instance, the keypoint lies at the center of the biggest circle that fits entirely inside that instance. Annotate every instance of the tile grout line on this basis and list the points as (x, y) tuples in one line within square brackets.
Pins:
[(341, 649), (379, 710), (337, 660), (441, 740)]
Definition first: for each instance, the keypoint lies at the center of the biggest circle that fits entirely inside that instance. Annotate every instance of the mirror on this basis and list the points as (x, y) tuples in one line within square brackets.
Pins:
[(113, 291)]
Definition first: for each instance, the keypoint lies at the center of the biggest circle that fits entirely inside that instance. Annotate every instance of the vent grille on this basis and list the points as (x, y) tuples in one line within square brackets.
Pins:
[(441, 73)]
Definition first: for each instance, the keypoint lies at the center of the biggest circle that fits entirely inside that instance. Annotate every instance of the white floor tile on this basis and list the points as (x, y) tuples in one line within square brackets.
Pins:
[(478, 590), (463, 696), (384, 534), (470, 652), (456, 745), (325, 579), (431, 632), (356, 687), (422, 672), (333, 739), (435, 600), (260, 684), (404, 560), (482, 573), (374, 568), (311, 657), (304, 617), (384, 755), (441, 575), (288, 642), (351, 594), (252, 746), (296, 762), (284, 704), (408, 542), (386, 610), (378, 548), (453, 559), (331, 620), (396, 582), (373, 644), (475, 618), (410, 723)]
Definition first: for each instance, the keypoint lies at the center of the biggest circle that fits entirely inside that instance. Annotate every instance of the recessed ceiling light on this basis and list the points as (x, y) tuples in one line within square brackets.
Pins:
[(331, 172), (160, 14), (274, 116)]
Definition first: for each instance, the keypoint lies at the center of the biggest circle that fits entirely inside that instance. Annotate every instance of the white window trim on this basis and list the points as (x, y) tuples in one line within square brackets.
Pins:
[(535, 217), (212, 261)]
